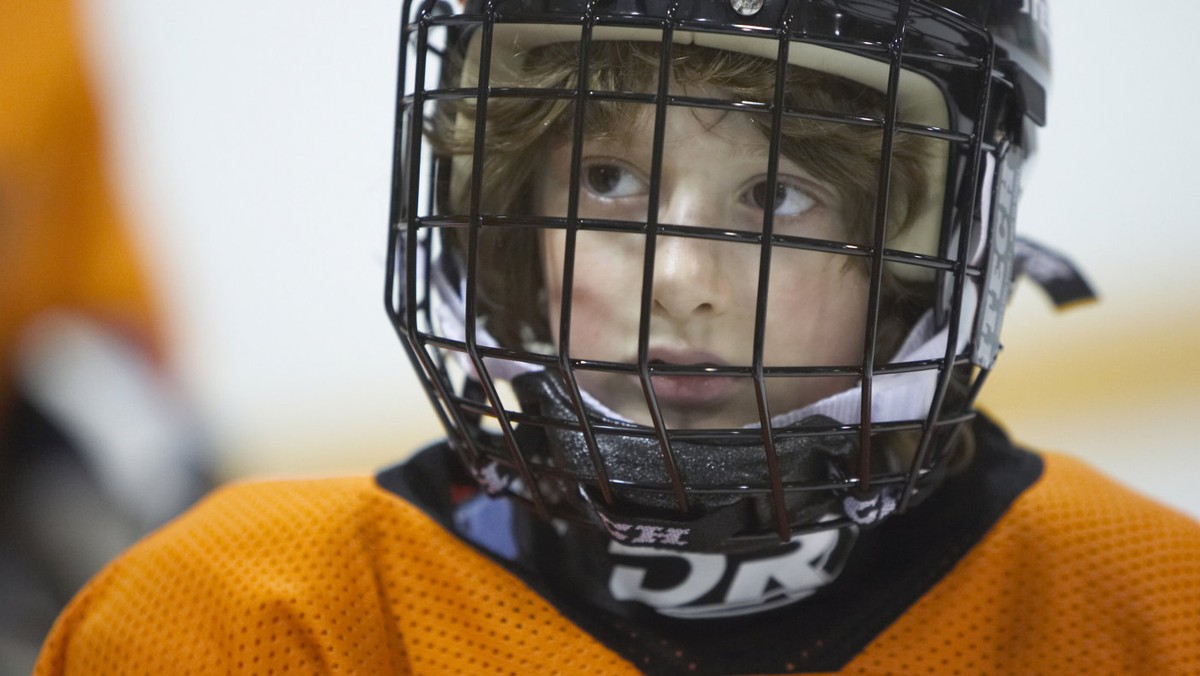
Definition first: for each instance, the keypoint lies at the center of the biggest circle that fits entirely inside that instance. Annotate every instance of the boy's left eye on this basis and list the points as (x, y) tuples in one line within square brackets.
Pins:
[(789, 200)]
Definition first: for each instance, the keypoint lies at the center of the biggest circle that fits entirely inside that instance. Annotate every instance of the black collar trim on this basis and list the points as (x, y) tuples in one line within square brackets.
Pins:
[(890, 568)]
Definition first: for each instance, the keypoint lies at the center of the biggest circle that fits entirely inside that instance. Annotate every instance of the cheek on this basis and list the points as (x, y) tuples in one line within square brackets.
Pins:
[(551, 255), (605, 293), (817, 310)]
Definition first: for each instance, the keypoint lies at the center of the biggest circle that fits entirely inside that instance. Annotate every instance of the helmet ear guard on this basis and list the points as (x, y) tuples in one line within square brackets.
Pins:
[(558, 450)]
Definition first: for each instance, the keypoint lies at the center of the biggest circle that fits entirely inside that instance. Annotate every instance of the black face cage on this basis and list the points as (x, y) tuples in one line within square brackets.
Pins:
[(504, 440)]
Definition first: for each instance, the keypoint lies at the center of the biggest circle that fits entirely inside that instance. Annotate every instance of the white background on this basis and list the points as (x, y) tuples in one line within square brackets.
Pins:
[(252, 144)]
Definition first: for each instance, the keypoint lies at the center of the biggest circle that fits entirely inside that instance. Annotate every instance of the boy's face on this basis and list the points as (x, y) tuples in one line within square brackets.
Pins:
[(714, 176)]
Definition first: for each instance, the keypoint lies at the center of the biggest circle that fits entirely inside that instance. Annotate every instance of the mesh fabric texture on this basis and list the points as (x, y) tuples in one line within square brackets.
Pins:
[(339, 576)]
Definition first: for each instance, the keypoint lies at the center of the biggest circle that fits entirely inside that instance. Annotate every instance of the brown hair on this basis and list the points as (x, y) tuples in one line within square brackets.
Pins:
[(519, 130)]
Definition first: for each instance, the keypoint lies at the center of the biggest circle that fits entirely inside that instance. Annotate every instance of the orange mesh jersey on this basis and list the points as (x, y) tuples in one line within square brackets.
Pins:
[(340, 575)]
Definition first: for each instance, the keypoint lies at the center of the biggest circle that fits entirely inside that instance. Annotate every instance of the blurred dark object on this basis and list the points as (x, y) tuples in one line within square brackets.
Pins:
[(98, 450)]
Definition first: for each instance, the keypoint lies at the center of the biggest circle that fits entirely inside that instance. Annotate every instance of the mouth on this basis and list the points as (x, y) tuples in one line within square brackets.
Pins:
[(691, 390)]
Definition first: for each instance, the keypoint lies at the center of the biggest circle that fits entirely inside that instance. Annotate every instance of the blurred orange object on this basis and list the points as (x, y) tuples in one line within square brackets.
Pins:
[(61, 236)]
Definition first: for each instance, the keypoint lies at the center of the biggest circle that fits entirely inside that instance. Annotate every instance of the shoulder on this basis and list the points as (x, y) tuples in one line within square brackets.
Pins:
[(312, 577), (292, 505), (1076, 506), (1078, 570), (1101, 541), (281, 561), (268, 529), (1082, 568), (1068, 504), (267, 520)]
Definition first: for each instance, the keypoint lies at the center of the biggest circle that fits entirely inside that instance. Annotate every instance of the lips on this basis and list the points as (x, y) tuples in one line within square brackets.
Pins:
[(690, 391)]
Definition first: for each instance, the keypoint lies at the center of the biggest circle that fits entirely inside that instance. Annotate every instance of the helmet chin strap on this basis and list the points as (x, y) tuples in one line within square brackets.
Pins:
[(727, 480)]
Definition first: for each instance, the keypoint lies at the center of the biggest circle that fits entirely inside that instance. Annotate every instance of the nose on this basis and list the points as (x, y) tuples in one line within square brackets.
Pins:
[(690, 274)]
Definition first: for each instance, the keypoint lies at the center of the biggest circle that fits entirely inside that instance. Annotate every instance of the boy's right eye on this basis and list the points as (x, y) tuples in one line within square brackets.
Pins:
[(611, 180)]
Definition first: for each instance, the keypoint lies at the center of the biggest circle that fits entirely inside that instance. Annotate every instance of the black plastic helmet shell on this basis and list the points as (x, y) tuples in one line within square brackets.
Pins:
[(1021, 29)]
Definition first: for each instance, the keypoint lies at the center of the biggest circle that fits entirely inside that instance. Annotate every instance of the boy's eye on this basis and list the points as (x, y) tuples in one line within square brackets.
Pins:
[(611, 180), (788, 199)]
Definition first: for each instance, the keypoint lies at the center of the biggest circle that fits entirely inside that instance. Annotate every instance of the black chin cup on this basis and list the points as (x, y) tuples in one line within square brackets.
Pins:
[(726, 475)]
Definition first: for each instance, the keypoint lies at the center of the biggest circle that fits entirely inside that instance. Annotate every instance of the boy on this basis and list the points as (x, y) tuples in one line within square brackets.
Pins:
[(703, 292)]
